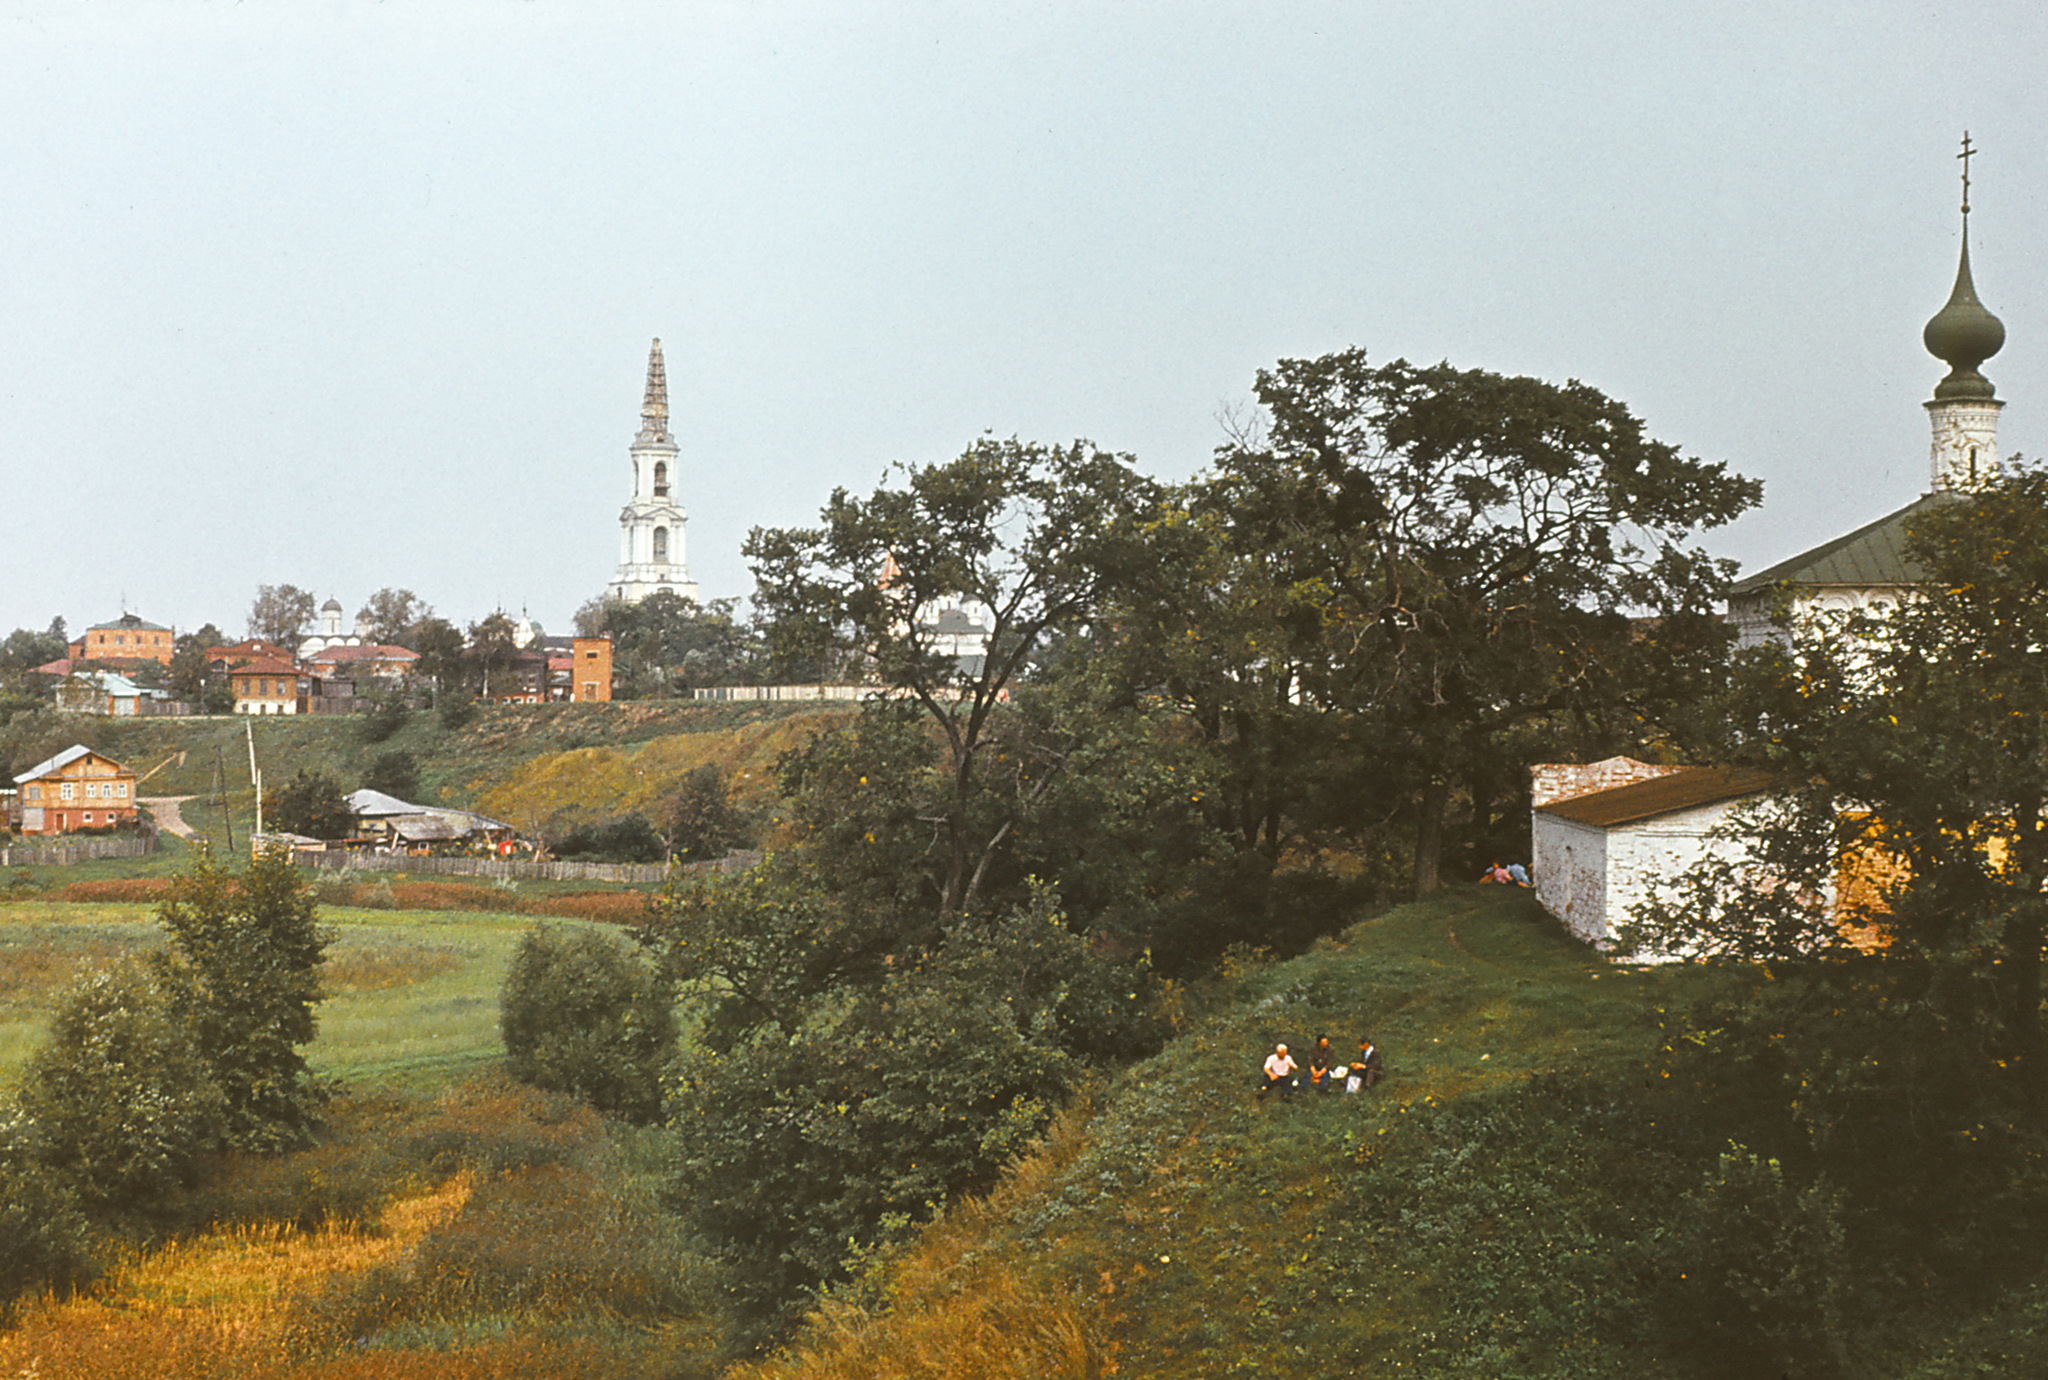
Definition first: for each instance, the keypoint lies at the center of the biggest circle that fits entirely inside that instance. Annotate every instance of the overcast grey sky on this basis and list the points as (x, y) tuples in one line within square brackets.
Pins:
[(352, 295)]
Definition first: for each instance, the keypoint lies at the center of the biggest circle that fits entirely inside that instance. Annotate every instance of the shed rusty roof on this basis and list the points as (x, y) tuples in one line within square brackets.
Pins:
[(1663, 795)]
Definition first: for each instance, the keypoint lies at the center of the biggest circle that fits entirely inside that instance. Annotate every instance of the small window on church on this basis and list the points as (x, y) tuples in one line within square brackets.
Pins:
[(660, 481), (660, 544)]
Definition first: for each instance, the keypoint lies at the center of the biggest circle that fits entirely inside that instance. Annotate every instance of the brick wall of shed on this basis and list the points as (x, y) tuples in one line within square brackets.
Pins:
[(1549, 781)]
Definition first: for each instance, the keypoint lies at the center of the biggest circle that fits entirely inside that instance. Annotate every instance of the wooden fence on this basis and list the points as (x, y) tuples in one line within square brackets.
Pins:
[(515, 868), (62, 852)]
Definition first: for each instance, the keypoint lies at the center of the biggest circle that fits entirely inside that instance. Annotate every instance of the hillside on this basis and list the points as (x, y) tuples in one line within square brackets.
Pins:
[(1502, 1205), (591, 760)]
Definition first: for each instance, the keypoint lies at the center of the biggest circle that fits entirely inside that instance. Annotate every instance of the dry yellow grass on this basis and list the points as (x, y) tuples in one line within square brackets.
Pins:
[(949, 1312), (601, 782), (209, 1305)]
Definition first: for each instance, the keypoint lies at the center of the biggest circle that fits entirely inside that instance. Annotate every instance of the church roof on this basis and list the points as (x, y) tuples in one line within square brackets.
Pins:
[(1661, 795), (1874, 554)]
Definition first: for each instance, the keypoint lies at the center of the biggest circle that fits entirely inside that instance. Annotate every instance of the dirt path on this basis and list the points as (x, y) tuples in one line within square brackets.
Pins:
[(168, 816)]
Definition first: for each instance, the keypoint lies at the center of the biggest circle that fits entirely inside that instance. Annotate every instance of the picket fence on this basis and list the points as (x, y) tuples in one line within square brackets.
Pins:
[(515, 869), (63, 852)]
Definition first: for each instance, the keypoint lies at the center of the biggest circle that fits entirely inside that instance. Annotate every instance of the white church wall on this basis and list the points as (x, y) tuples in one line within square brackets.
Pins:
[(1568, 868), (1592, 878)]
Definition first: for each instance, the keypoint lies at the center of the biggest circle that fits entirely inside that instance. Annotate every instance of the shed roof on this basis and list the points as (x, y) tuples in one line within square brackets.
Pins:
[(1662, 795)]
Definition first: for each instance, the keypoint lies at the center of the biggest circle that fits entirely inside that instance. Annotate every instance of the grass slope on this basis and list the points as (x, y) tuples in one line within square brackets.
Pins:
[(529, 764), (1188, 1229)]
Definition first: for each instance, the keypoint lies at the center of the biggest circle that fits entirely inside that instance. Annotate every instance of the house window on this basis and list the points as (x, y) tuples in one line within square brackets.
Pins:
[(67, 790), (660, 545), (88, 816), (35, 792)]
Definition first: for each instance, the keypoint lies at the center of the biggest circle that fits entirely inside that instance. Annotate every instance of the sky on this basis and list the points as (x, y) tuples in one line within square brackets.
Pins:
[(351, 295)]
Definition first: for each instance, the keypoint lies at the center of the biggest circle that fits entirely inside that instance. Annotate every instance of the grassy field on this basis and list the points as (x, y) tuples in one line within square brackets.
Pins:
[(412, 994)]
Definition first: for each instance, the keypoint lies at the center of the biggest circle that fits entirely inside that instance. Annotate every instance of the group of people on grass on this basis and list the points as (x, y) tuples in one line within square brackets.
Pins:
[(1323, 1074), (1514, 874)]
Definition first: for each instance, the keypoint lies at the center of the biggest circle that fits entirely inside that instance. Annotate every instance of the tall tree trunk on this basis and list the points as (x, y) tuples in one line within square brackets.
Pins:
[(1429, 837)]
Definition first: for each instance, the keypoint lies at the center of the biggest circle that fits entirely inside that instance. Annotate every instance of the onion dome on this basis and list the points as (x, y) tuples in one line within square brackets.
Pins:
[(1963, 335)]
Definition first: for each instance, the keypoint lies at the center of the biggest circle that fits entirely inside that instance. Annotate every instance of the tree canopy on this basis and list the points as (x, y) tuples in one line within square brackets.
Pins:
[(1028, 537), (280, 614), (1437, 556)]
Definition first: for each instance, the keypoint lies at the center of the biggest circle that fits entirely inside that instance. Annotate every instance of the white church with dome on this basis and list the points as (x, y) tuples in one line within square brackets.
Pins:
[(1868, 569)]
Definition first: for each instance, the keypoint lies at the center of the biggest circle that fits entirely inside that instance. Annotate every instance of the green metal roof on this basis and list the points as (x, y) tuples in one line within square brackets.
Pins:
[(1874, 554)]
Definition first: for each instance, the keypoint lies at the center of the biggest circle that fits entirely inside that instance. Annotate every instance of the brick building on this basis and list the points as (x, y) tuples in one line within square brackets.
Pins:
[(128, 640)]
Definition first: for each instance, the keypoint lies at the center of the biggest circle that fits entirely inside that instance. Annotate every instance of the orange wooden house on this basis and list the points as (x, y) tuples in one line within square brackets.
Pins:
[(76, 789)]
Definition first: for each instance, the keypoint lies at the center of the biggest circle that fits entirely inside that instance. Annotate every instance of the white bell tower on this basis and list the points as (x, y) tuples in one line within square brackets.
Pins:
[(651, 543)]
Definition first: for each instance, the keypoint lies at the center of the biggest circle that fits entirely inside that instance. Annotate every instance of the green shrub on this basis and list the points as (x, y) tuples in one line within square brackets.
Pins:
[(124, 1105), (49, 1243), (582, 1014), (246, 975), (628, 839)]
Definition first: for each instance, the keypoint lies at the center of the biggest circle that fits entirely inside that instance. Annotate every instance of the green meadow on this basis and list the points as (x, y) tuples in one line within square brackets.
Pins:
[(412, 995)]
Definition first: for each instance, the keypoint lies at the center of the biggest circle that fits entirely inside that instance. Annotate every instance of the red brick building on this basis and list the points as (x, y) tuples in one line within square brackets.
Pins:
[(128, 640)]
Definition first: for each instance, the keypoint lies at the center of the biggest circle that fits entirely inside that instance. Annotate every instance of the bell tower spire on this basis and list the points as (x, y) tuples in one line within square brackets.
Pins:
[(1965, 407), (651, 525), (654, 404)]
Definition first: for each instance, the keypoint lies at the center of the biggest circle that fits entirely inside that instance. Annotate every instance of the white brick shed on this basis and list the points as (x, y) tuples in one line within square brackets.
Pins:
[(1596, 853)]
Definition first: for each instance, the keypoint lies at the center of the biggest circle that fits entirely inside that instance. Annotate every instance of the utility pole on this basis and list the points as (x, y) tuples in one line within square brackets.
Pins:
[(255, 776)]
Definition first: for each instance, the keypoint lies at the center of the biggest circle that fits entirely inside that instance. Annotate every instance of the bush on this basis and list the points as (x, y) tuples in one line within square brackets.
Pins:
[(582, 1014), (628, 839), (456, 711), (49, 1242), (385, 715), (311, 803), (123, 1103), (394, 773), (247, 977)]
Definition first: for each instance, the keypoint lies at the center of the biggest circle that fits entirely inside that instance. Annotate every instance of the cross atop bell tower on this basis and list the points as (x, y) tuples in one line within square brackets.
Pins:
[(1965, 407)]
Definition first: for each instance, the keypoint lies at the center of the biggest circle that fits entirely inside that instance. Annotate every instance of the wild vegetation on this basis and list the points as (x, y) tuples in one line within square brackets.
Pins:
[(963, 1070)]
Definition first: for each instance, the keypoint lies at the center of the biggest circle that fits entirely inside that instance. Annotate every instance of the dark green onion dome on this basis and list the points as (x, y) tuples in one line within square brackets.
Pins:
[(1963, 335)]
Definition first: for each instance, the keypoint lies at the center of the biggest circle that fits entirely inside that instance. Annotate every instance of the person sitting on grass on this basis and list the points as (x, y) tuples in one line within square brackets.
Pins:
[(1321, 1078), (1518, 874), (1365, 1069), (1497, 873), (1280, 1069)]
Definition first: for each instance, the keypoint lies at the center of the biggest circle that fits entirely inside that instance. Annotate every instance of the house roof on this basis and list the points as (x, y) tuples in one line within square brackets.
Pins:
[(371, 804), (62, 759), (1662, 795), (128, 622), (361, 651), (1874, 554), (112, 683), (266, 666)]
